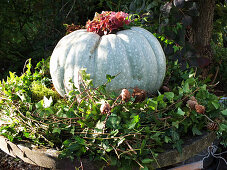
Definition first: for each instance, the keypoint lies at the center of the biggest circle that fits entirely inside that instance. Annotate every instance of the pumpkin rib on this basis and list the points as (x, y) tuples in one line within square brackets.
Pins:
[(142, 52), (84, 57), (70, 61), (107, 60), (123, 63), (57, 66), (157, 48), (127, 63)]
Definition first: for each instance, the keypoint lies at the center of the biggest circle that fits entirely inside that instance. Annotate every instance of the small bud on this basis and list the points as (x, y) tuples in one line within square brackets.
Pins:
[(200, 109), (191, 104), (105, 108), (125, 95)]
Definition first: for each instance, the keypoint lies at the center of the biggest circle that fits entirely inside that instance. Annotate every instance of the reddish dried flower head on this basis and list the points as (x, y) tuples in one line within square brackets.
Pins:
[(125, 95), (106, 22), (105, 108), (200, 109)]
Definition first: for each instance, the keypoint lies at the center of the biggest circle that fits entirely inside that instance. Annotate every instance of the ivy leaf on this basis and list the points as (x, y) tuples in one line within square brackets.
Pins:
[(186, 88), (143, 144), (167, 139), (191, 81), (72, 131), (152, 104), (215, 104), (109, 78), (175, 124), (178, 145), (196, 131), (175, 136), (56, 130), (39, 105), (224, 112), (169, 95), (147, 161), (180, 112), (223, 127), (156, 137), (113, 121), (176, 48), (133, 122)]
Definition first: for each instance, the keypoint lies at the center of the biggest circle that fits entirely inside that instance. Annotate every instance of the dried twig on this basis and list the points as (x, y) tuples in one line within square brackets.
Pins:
[(141, 166), (114, 137), (208, 118), (216, 74), (71, 8), (104, 126), (115, 150), (155, 160), (130, 147)]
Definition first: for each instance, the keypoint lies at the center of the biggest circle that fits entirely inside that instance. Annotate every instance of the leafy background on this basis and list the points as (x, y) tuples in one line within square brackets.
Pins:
[(31, 29)]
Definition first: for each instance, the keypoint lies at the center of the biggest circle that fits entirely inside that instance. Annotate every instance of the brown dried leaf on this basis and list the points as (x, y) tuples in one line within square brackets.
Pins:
[(72, 27)]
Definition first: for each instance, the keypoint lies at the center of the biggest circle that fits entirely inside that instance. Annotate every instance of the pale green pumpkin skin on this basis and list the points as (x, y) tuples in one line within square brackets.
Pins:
[(135, 53)]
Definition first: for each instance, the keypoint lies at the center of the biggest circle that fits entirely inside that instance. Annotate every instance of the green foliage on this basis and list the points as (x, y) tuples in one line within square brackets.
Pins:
[(220, 27), (220, 59), (131, 134), (33, 27)]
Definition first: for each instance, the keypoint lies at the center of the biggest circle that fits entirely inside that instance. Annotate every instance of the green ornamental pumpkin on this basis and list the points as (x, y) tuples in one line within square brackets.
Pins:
[(134, 53)]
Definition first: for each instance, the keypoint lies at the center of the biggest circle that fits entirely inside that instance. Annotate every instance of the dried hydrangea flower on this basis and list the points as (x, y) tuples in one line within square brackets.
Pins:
[(191, 104), (200, 109), (125, 95), (105, 108), (139, 95)]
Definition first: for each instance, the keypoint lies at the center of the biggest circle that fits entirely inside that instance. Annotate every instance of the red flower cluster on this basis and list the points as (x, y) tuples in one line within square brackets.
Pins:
[(106, 22)]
